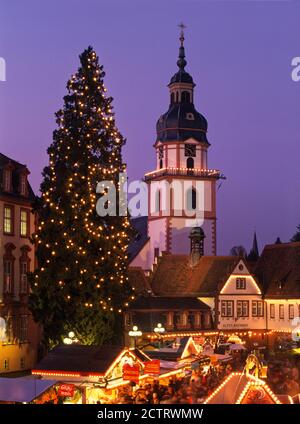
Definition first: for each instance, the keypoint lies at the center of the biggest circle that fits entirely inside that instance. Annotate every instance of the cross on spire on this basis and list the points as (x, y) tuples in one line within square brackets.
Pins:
[(182, 28)]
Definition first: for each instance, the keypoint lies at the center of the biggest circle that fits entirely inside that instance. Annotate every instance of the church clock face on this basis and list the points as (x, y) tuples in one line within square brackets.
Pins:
[(190, 150)]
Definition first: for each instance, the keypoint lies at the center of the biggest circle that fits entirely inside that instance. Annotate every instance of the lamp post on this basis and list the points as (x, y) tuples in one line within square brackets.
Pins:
[(159, 329), (135, 333), (70, 339)]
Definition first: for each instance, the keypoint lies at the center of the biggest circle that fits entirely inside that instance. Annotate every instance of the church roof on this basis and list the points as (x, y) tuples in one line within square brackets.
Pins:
[(174, 276), (176, 125), (182, 121), (278, 270)]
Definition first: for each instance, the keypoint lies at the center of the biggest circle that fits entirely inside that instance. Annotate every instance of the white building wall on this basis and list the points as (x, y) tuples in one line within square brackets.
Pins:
[(285, 323)]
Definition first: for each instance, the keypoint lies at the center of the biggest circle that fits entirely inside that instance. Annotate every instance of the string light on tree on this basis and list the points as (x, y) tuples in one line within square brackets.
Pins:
[(81, 284)]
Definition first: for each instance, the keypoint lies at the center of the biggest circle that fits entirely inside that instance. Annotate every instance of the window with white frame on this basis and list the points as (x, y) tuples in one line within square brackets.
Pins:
[(24, 223), (240, 283), (7, 180), (8, 216), (291, 312), (281, 311), (227, 308), (257, 308), (242, 308), (23, 184), (272, 310)]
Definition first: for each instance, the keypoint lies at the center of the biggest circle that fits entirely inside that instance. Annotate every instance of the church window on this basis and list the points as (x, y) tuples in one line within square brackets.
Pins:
[(190, 163), (185, 97), (157, 201), (191, 199)]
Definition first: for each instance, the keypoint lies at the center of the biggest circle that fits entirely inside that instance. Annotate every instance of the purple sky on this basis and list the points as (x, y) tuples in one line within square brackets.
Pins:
[(239, 54)]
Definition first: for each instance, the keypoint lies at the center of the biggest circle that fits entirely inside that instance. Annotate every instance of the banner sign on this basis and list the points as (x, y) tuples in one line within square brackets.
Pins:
[(152, 367), (131, 372), (66, 390)]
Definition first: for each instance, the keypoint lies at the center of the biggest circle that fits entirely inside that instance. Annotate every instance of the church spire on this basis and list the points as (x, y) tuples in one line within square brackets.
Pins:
[(181, 62), (254, 253)]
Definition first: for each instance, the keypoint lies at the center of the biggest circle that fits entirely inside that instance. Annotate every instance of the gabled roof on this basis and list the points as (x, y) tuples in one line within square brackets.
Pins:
[(172, 354), (17, 168), (78, 358), (239, 388), (140, 238), (174, 276), (278, 270), (139, 281)]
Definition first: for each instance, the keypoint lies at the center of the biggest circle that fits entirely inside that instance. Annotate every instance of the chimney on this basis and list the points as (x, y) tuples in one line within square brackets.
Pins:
[(197, 237)]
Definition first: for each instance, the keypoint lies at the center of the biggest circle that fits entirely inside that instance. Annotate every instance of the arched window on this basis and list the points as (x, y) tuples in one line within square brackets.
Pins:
[(172, 98), (161, 163), (177, 97), (157, 201), (185, 97), (190, 163), (191, 199)]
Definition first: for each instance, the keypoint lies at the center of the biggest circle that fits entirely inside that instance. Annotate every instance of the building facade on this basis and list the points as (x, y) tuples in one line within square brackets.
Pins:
[(19, 335)]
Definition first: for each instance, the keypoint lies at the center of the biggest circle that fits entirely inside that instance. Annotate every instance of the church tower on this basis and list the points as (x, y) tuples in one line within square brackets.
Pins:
[(182, 188)]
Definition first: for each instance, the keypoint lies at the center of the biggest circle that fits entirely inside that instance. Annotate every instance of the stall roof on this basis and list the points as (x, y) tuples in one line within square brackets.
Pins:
[(83, 359), (22, 389)]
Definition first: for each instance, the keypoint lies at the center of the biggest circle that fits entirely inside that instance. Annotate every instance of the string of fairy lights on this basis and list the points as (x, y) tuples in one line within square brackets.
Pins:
[(94, 134)]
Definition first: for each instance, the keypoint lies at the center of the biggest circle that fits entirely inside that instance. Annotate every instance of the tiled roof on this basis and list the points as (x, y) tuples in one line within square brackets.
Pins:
[(79, 358), (138, 280), (278, 270), (140, 238), (174, 276), (167, 303)]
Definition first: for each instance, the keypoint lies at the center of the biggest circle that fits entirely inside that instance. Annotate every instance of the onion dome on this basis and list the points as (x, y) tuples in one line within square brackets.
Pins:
[(182, 121)]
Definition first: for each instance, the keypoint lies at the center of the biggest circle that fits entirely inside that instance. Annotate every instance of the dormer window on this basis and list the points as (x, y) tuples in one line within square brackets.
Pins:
[(23, 184), (7, 180)]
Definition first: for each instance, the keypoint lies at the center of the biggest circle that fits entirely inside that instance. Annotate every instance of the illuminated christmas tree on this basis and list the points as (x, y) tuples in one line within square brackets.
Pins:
[(80, 284)]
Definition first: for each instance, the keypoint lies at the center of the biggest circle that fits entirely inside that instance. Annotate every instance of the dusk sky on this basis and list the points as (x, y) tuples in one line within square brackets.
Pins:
[(239, 54)]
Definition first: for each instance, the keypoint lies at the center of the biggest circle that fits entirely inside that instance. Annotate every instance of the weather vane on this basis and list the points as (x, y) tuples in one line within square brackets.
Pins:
[(182, 27)]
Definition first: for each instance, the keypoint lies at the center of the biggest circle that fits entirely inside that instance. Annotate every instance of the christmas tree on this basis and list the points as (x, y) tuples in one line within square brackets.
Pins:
[(80, 284)]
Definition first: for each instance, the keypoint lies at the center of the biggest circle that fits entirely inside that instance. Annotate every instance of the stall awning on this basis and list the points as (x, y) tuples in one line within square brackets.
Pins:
[(22, 389)]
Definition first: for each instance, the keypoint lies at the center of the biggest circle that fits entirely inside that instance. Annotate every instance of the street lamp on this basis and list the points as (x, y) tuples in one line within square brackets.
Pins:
[(70, 339), (159, 329), (135, 333)]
